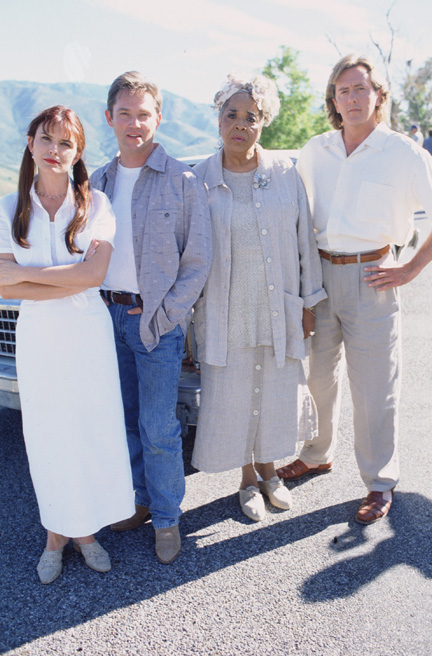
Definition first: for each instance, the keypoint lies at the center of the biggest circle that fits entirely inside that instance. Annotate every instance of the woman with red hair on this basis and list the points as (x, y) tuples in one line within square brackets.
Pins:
[(56, 240)]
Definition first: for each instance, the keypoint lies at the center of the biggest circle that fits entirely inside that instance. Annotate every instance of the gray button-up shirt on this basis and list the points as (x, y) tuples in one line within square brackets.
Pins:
[(171, 233)]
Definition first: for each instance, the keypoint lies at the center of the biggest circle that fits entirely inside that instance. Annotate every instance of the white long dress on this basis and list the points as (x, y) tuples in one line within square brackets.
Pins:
[(72, 411)]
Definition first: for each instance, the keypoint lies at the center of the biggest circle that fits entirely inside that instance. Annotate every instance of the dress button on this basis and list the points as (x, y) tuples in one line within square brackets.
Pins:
[(255, 412), (271, 287), (275, 313), (258, 367), (258, 205), (264, 231), (268, 260)]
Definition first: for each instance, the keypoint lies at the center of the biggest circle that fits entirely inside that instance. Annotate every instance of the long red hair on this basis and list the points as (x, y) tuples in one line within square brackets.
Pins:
[(70, 123)]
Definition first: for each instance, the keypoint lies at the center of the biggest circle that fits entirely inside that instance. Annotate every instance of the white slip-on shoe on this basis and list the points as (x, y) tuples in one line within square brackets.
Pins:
[(252, 503), (95, 556), (50, 565), (279, 495)]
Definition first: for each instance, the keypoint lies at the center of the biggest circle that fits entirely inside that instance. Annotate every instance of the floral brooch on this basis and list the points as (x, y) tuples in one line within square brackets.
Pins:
[(261, 181)]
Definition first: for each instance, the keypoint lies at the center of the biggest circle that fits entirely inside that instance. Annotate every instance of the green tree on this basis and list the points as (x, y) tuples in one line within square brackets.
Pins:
[(297, 121), (417, 96)]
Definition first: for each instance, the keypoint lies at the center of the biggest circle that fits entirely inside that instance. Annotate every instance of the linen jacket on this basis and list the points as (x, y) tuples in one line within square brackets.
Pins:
[(171, 233), (292, 264)]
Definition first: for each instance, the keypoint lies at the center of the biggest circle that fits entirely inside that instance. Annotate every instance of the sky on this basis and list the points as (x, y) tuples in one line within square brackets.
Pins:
[(189, 46)]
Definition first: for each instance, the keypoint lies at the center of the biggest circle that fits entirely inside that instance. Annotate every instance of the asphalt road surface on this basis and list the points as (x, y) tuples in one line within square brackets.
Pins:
[(306, 581)]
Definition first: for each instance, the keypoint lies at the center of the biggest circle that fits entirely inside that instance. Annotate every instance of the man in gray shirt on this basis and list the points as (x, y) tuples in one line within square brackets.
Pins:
[(160, 263)]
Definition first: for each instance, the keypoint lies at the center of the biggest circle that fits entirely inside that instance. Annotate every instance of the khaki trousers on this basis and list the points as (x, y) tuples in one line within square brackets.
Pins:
[(365, 324)]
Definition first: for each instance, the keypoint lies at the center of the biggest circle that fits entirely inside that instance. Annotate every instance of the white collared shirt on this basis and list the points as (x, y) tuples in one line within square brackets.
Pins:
[(367, 200), (100, 225)]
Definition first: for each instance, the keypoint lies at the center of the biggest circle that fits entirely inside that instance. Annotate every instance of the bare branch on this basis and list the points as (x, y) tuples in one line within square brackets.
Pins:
[(386, 58), (392, 31), (329, 38)]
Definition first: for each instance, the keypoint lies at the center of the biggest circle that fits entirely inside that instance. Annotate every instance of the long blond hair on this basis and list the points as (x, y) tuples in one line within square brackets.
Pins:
[(379, 84)]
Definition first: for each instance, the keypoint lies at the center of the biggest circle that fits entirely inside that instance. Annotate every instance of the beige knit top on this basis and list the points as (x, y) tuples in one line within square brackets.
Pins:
[(249, 323)]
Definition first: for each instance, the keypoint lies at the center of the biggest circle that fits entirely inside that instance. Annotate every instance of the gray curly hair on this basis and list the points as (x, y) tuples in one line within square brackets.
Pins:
[(261, 88)]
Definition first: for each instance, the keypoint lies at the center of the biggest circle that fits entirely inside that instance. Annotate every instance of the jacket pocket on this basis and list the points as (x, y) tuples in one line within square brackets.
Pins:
[(293, 306)]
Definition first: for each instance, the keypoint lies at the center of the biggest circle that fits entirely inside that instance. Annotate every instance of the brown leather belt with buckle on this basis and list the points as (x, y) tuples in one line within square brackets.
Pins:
[(122, 298), (354, 259)]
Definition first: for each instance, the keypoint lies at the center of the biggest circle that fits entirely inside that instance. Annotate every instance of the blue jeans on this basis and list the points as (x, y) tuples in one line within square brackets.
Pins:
[(149, 384)]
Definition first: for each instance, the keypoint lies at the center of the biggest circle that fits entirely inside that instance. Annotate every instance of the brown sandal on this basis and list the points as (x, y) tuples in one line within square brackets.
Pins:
[(297, 469), (373, 508)]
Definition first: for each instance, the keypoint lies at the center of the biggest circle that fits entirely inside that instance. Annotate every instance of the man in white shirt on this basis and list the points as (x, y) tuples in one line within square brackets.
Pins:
[(364, 182)]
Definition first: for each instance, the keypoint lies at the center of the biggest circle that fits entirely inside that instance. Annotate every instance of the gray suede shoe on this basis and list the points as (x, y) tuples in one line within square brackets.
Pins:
[(95, 556), (168, 544), (50, 565)]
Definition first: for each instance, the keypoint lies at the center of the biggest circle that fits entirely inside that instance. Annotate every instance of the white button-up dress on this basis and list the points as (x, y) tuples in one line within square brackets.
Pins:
[(68, 379)]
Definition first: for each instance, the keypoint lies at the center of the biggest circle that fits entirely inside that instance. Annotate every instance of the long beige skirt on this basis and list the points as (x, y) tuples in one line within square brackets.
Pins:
[(251, 410)]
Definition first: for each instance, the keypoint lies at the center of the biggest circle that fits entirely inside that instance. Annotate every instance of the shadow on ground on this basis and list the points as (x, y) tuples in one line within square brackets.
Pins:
[(29, 610)]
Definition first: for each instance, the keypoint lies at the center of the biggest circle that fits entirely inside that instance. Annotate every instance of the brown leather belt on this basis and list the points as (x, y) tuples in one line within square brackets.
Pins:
[(354, 259), (122, 298)]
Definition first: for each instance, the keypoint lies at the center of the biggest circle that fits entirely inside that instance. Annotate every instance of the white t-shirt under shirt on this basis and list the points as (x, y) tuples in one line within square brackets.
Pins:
[(121, 275)]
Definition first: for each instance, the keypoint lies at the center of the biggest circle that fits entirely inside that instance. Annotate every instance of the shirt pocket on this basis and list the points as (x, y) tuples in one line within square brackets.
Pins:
[(377, 204), (165, 233)]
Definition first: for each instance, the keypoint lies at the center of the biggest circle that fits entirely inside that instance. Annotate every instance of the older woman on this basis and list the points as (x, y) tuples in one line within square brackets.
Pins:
[(257, 306), (56, 239)]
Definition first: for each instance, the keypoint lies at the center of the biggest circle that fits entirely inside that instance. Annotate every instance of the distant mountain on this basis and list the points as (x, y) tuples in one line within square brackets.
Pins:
[(186, 129)]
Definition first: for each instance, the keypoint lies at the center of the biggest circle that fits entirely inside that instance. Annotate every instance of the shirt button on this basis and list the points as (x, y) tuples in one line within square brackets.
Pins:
[(271, 287), (268, 260), (258, 367), (257, 390), (255, 412), (275, 313), (258, 205), (167, 214), (264, 231)]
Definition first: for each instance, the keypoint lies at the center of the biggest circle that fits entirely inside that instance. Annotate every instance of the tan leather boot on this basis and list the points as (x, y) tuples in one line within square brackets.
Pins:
[(142, 515)]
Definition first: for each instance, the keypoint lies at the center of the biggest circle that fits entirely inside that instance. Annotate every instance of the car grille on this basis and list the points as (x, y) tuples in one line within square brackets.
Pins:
[(8, 319)]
